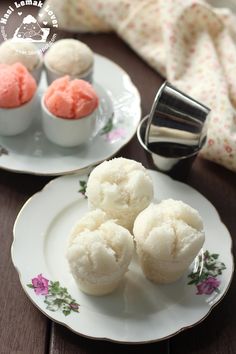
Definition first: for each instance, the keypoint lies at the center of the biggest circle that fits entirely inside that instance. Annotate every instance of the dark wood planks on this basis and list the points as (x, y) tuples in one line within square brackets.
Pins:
[(23, 329)]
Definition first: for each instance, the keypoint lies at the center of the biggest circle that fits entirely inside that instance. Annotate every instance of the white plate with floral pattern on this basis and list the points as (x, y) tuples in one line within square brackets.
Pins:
[(138, 311), (119, 115)]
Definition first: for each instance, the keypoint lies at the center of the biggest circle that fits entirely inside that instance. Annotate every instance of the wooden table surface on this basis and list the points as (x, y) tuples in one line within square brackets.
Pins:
[(24, 329)]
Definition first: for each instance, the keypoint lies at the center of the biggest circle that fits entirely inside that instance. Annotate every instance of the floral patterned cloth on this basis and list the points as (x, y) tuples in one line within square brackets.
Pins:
[(187, 41)]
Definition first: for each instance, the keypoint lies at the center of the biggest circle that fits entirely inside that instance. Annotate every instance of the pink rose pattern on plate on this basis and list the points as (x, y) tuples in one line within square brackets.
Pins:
[(188, 42), (208, 285), (206, 275), (40, 285), (113, 134), (56, 297)]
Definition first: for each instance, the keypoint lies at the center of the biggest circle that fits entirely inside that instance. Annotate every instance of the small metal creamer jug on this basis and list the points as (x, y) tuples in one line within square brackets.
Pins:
[(175, 130)]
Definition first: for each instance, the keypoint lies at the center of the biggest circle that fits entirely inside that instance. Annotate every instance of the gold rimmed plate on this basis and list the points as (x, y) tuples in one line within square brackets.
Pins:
[(138, 311)]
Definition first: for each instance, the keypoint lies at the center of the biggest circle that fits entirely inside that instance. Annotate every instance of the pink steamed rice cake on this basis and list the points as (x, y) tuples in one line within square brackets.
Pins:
[(71, 99), (17, 86)]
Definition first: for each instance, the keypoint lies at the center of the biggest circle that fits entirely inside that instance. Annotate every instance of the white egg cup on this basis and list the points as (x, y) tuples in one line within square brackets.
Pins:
[(14, 121), (67, 132)]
